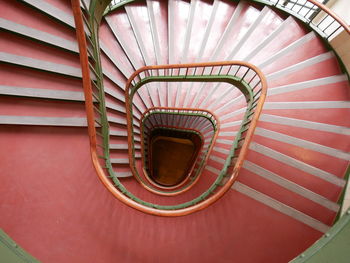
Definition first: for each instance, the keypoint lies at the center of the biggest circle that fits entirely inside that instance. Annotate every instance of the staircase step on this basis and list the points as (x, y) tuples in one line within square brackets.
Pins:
[(302, 143), (52, 11), (43, 121), (38, 35), (297, 215), (119, 23), (40, 64), (297, 164), (122, 147), (291, 186), (42, 93), (123, 160), (305, 124)]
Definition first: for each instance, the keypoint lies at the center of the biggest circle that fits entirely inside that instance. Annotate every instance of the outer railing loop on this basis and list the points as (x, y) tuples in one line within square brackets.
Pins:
[(234, 72), (201, 71)]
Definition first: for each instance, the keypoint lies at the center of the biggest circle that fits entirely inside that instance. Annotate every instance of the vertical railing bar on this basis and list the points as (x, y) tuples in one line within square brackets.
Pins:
[(328, 26), (245, 73), (334, 31), (220, 70), (252, 78), (237, 70), (211, 71), (311, 9), (229, 69), (256, 85), (322, 20), (302, 6)]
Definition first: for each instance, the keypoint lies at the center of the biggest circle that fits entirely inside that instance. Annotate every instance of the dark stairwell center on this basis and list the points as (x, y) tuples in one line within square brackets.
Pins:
[(172, 155)]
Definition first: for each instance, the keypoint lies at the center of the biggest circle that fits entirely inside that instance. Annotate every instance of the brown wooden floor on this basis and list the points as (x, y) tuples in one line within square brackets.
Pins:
[(171, 159)]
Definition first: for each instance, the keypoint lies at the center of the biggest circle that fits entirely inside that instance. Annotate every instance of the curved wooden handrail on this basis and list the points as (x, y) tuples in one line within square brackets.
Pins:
[(128, 104), (332, 14), (322, 7), (92, 131), (244, 149)]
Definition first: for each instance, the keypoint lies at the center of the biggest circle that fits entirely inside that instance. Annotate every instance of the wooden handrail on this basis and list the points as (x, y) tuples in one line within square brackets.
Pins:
[(243, 152), (332, 14), (92, 131)]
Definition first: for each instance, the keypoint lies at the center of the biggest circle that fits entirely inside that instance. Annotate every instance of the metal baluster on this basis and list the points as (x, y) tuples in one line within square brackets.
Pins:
[(312, 16), (334, 32), (322, 20), (220, 70), (245, 74), (324, 30), (302, 6), (211, 71), (229, 69), (237, 71)]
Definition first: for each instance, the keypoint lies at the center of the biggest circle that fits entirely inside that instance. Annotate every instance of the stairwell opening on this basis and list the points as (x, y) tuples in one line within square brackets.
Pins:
[(174, 144), (172, 155)]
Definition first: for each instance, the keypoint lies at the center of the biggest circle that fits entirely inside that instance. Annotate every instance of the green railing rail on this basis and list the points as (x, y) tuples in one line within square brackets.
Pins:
[(324, 22), (11, 252), (202, 122), (91, 26), (244, 76), (334, 246)]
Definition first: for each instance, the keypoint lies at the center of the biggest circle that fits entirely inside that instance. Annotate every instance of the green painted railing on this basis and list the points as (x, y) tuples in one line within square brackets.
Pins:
[(313, 13), (11, 252), (240, 75), (91, 26), (334, 246)]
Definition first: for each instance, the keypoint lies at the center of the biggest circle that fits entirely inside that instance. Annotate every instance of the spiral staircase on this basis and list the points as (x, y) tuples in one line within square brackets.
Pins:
[(86, 84)]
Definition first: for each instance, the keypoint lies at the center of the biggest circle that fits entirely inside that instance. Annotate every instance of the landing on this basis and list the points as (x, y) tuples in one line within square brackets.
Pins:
[(171, 159)]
